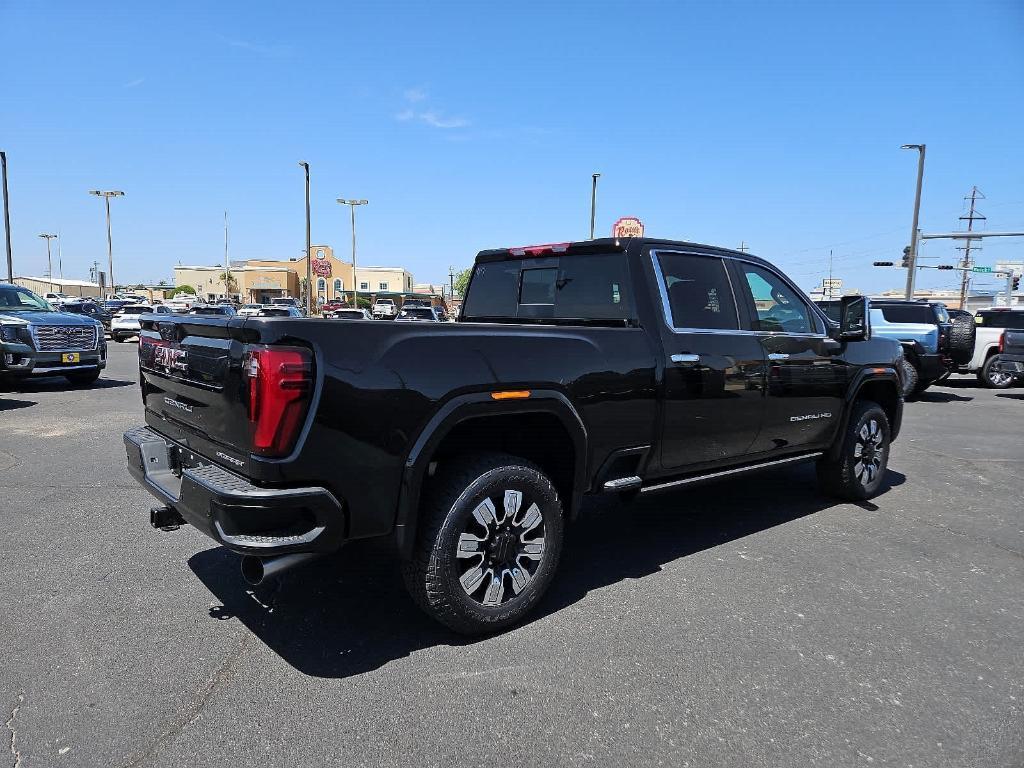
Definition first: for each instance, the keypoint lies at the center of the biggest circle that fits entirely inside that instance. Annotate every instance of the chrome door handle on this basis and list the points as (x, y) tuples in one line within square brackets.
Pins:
[(685, 359), (778, 356)]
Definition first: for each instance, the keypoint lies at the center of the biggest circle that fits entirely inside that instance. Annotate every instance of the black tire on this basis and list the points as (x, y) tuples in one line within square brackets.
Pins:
[(82, 378), (840, 477), (922, 385), (961, 338), (993, 379), (908, 378), (117, 337), (439, 580)]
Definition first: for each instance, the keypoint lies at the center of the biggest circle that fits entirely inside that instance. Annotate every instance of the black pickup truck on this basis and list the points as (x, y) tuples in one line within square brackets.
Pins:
[(1010, 357), (607, 366)]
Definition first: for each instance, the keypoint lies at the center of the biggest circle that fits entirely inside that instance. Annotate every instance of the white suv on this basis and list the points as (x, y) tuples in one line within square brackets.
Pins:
[(384, 309), (126, 322)]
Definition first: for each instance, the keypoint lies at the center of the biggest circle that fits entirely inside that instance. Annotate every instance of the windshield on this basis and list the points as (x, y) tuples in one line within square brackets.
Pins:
[(218, 310), (351, 313), (416, 313), (15, 299), (135, 310)]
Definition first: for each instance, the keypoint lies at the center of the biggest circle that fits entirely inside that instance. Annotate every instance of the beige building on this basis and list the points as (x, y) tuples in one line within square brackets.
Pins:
[(332, 277), (384, 280), (255, 284), (44, 285)]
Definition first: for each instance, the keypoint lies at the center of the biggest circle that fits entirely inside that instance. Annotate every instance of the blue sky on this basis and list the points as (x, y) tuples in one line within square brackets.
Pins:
[(475, 125)]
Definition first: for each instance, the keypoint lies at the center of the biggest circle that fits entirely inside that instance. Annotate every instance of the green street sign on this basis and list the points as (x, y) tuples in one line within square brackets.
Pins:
[(981, 269)]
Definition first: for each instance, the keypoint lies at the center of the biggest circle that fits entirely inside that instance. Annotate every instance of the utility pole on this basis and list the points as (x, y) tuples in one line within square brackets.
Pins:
[(970, 218), (593, 201), (912, 259), (7, 218), (743, 248), (830, 289), (60, 256), (49, 261), (309, 254)]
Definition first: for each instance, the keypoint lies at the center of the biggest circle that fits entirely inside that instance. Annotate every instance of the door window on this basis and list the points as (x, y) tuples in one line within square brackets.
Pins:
[(778, 308), (698, 292)]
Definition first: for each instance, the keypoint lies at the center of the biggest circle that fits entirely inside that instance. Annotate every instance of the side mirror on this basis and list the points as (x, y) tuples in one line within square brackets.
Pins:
[(853, 318)]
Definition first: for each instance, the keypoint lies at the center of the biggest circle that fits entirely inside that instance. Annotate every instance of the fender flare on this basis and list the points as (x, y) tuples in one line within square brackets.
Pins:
[(475, 405), (865, 376)]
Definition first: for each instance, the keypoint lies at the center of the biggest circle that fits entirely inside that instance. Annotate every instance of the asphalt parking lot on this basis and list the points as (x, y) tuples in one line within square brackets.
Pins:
[(746, 623)]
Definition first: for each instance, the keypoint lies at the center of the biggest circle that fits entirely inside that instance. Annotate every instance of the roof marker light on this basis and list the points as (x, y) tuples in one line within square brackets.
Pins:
[(539, 250)]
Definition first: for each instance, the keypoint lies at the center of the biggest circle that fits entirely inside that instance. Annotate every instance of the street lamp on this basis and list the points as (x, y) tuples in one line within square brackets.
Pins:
[(110, 248), (593, 201), (49, 261), (7, 217), (355, 281), (309, 255), (912, 260)]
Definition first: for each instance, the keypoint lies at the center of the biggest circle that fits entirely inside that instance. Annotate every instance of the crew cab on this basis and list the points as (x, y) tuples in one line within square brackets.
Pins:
[(609, 366), (384, 309)]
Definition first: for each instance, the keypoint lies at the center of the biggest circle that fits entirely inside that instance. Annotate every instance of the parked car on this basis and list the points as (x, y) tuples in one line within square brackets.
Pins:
[(417, 314), (285, 301), (183, 302), (214, 309), (38, 340), (1009, 361), (349, 313), (249, 310), (281, 311), (331, 306), (989, 326), (125, 322), (611, 366), (90, 308), (922, 328), (384, 309)]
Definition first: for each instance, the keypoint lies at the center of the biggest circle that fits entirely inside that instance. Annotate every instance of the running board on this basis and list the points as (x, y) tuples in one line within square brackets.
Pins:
[(623, 483), (725, 473)]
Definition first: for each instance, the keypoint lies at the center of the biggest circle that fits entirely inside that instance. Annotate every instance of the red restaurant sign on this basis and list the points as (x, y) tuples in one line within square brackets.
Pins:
[(628, 226)]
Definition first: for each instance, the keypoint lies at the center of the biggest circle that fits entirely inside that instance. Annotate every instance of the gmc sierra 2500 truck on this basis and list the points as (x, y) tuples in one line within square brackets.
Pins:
[(608, 366)]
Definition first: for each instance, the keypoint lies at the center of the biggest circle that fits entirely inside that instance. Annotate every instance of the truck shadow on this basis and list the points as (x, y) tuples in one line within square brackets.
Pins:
[(7, 404), (350, 614), (59, 383)]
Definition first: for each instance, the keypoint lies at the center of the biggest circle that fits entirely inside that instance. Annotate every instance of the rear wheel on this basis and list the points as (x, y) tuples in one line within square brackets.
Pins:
[(490, 538), (993, 378), (908, 378), (857, 472)]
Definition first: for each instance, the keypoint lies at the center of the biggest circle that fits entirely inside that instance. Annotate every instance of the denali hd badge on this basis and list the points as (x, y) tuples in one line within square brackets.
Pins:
[(809, 416)]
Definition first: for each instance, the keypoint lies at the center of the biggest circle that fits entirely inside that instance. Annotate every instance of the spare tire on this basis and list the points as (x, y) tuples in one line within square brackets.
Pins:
[(961, 338)]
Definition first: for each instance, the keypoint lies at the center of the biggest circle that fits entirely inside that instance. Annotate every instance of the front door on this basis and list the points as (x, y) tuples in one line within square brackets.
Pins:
[(714, 371), (806, 377)]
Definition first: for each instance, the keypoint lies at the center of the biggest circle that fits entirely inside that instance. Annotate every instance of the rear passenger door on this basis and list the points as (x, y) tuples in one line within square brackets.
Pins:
[(806, 375), (714, 371)]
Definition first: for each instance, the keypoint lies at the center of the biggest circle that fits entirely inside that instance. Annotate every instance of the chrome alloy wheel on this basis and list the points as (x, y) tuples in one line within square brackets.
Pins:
[(997, 378), (501, 549), (868, 452)]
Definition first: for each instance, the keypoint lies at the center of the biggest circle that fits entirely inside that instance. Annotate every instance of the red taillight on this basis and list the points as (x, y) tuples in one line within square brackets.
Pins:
[(280, 382), (539, 250), (1002, 341)]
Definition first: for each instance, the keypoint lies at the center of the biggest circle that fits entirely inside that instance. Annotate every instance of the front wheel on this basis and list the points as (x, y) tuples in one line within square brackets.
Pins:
[(857, 472), (489, 543), (82, 378)]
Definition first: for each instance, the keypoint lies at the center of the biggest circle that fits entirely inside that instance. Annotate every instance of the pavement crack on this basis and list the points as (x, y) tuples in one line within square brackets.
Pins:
[(15, 752), (969, 537), (202, 698)]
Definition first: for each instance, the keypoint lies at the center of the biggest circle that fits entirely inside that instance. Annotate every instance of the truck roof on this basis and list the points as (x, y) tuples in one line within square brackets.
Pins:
[(604, 245)]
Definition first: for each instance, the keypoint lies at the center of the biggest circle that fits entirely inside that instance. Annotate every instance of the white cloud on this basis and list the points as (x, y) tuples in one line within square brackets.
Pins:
[(417, 110), (415, 95), (134, 83), (436, 120)]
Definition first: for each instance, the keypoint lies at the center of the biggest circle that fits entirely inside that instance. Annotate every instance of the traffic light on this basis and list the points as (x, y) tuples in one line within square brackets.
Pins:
[(881, 263), (906, 257), (945, 266), (1015, 282)]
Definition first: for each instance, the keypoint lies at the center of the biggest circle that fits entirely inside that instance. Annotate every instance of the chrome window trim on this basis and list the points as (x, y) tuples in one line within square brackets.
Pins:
[(666, 307)]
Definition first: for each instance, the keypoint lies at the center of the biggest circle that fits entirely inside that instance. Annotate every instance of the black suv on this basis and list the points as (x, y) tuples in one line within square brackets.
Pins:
[(603, 367)]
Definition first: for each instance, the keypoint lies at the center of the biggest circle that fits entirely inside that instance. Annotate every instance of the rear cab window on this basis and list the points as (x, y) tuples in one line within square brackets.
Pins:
[(907, 313), (1010, 319), (566, 289)]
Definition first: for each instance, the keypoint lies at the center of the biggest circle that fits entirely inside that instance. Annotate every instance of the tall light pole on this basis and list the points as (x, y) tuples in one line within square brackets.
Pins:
[(7, 218), (912, 259), (110, 248), (309, 255), (49, 261), (593, 201), (355, 281)]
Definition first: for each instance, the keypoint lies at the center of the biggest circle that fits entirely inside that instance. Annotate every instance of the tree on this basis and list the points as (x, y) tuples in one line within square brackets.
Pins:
[(230, 283), (462, 281), (183, 289)]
